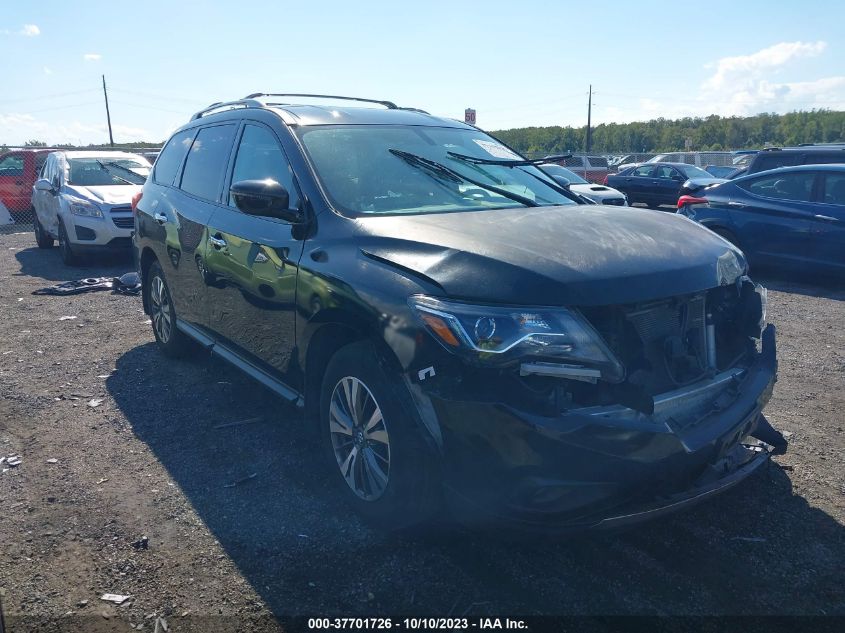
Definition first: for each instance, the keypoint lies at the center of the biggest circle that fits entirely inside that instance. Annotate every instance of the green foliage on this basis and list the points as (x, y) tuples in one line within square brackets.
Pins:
[(662, 135), (35, 143)]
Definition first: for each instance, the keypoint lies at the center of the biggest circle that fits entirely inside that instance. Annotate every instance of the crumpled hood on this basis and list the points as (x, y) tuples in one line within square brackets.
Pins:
[(569, 255), (107, 194)]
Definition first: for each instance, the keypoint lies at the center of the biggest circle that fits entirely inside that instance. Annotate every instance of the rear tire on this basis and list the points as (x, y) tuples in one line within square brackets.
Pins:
[(170, 339), (41, 238), (373, 441), (65, 249)]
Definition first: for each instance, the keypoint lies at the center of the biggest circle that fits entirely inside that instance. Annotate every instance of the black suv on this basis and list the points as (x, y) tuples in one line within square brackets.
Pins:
[(776, 157), (456, 326)]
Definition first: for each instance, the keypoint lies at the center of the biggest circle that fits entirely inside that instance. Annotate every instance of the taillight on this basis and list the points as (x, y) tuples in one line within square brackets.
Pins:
[(604, 182), (690, 200), (135, 200)]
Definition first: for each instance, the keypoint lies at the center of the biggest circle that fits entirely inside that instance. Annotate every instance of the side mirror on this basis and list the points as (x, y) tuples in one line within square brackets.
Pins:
[(563, 181), (44, 185), (266, 198)]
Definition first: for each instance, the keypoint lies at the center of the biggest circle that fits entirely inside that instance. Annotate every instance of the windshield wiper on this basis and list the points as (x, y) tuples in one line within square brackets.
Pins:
[(454, 176), (507, 162), (125, 169)]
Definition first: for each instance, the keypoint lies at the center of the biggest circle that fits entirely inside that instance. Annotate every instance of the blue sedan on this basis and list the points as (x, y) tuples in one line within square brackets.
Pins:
[(792, 218)]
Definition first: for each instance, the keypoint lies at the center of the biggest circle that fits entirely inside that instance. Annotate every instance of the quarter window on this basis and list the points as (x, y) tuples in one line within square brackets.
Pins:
[(260, 158), (171, 157), (206, 164), (797, 186)]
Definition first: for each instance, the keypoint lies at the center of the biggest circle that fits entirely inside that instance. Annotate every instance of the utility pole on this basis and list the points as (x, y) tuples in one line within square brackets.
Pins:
[(108, 116), (589, 116)]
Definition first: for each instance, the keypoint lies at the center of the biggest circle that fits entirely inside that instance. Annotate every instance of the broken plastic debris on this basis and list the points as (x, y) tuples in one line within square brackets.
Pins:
[(161, 626), (95, 402), (114, 597), (142, 543), (66, 318), (102, 481), (243, 480), (52, 460), (13, 460)]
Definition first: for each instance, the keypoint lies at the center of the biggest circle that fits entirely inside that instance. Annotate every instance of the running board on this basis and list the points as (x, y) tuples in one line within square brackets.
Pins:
[(256, 373)]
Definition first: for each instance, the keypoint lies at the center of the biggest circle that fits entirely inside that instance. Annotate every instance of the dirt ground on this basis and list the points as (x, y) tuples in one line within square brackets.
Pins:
[(242, 527)]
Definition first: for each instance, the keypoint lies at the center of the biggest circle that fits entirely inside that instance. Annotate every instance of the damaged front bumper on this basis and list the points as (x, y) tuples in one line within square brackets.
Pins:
[(602, 467)]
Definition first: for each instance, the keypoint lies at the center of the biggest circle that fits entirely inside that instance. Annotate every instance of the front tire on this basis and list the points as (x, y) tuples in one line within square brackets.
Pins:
[(373, 441), (65, 249), (41, 238), (172, 341)]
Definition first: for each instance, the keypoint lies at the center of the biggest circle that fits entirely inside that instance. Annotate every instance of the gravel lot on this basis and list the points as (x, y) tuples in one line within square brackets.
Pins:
[(148, 461)]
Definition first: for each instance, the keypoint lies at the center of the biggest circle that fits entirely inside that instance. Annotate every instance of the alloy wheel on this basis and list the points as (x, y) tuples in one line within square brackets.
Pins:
[(359, 438), (160, 309)]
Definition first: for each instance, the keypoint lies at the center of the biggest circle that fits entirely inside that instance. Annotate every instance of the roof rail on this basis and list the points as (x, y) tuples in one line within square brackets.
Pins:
[(387, 104), (221, 105)]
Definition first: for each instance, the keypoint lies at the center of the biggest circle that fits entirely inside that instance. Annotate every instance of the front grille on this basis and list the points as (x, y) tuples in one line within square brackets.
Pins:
[(124, 222), (619, 202)]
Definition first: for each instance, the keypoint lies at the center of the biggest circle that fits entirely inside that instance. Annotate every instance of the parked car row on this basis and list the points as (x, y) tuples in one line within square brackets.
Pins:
[(450, 319)]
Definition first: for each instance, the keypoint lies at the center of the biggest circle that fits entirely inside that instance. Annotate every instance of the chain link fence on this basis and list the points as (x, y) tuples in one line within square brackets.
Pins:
[(20, 168)]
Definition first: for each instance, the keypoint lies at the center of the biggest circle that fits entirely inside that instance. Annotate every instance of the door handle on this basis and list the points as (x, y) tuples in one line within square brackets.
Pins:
[(160, 218), (825, 218), (217, 242), (736, 205)]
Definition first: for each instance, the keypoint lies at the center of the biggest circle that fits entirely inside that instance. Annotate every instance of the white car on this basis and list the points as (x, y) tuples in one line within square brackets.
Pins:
[(83, 200), (600, 194)]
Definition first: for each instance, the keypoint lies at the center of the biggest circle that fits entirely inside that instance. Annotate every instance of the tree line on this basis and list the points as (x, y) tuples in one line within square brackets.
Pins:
[(694, 133)]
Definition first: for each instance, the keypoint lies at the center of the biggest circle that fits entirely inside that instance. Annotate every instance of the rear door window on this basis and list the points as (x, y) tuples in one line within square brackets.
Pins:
[(644, 172), (795, 186), (207, 160), (171, 157), (597, 161)]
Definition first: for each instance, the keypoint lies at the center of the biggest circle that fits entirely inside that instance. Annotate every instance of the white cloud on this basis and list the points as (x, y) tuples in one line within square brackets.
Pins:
[(48, 70), (745, 85), (92, 57), (745, 68), (30, 30)]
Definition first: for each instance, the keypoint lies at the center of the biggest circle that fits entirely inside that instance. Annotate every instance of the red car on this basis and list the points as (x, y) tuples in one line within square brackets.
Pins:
[(18, 172)]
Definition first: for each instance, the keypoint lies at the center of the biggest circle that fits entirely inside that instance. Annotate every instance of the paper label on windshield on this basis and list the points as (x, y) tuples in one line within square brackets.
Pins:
[(495, 149)]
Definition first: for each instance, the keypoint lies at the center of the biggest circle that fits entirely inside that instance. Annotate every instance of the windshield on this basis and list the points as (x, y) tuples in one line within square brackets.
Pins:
[(691, 171), (107, 170), (414, 169), (571, 176)]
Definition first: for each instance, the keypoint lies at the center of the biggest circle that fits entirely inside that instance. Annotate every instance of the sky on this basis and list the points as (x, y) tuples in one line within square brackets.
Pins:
[(517, 63)]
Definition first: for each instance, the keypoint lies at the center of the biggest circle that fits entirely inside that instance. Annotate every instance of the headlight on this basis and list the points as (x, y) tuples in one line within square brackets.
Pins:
[(84, 208), (496, 336)]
